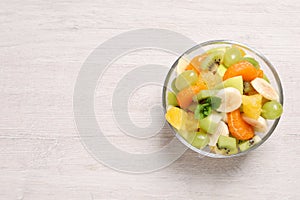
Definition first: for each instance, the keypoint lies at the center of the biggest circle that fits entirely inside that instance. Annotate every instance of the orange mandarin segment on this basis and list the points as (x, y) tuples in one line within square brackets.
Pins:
[(242, 68), (238, 127)]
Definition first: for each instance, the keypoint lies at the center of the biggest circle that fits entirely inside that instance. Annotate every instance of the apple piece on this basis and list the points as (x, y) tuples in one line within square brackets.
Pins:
[(235, 82), (200, 140), (210, 123)]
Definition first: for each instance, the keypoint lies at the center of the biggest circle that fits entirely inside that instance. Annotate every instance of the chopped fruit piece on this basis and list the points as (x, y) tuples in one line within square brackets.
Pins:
[(221, 130), (186, 79), (272, 110), (225, 152), (181, 120), (232, 56), (238, 127), (210, 124), (252, 105), (172, 99), (206, 106), (226, 142), (265, 89), (202, 110), (231, 99), (176, 116), (187, 135), (212, 61), (235, 82), (242, 68), (250, 143), (200, 140), (259, 125)]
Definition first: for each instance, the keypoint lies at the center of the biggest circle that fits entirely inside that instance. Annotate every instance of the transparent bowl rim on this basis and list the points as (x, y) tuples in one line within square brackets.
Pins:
[(224, 42)]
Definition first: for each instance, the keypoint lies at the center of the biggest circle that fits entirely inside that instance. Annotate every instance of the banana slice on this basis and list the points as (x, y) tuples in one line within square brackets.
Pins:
[(259, 125), (231, 99), (265, 89), (221, 130), (181, 65)]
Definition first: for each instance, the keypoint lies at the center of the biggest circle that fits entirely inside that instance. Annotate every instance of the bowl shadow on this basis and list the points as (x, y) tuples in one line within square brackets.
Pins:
[(194, 164)]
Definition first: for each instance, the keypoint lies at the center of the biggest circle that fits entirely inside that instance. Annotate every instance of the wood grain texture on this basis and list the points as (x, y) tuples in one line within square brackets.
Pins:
[(42, 47)]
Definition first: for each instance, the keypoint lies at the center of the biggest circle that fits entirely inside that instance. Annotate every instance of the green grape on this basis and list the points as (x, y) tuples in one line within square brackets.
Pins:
[(271, 110), (232, 56), (200, 140), (172, 99), (186, 79), (175, 90)]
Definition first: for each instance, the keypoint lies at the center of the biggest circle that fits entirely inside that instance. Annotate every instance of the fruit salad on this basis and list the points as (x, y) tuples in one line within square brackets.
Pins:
[(222, 100)]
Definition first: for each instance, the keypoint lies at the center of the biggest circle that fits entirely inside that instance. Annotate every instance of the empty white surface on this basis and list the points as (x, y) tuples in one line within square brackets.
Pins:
[(42, 47)]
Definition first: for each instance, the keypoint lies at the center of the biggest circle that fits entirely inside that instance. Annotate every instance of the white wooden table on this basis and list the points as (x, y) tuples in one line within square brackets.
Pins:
[(43, 45)]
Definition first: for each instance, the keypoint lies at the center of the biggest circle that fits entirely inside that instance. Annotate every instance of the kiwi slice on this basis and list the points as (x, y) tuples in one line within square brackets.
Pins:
[(249, 143), (224, 151), (226, 145), (226, 142), (212, 61)]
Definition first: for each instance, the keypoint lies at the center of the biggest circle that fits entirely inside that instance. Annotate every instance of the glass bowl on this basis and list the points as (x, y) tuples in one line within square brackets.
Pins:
[(266, 66)]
